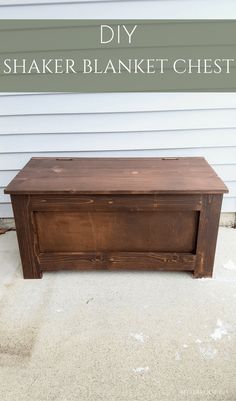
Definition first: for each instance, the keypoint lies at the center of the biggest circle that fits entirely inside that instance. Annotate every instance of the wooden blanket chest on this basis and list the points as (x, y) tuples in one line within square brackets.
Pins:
[(117, 213)]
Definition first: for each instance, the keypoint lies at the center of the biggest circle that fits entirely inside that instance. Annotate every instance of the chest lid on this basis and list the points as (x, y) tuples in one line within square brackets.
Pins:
[(49, 175)]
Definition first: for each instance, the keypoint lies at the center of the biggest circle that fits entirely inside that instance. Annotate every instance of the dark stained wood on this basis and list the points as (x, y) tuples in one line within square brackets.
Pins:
[(207, 235), (117, 231), (116, 202), (26, 236), (117, 260), (116, 175), (154, 214)]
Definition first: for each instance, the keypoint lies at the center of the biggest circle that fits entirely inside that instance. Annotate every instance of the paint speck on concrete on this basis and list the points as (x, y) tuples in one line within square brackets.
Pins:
[(177, 356), (141, 369), (208, 352), (140, 337), (220, 331), (59, 310), (185, 345), (230, 265)]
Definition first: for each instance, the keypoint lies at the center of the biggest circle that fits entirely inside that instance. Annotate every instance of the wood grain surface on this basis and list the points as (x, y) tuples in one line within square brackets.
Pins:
[(116, 175), (117, 231), (138, 214)]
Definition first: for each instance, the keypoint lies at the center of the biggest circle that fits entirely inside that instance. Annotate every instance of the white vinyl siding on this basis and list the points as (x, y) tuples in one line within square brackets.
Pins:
[(122, 124), (116, 9)]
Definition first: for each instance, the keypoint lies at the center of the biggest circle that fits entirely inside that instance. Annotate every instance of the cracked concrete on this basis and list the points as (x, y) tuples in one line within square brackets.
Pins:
[(115, 336)]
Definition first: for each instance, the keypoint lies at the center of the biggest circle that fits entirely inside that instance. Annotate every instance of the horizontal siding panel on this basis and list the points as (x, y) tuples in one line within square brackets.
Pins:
[(169, 9), (232, 189), (4, 198), (229, 204), (6, 177), (37, 2), (112, 103), (116, 141), (221, 155), (6, 210), (173, 120), (13, 94), (226, 172)]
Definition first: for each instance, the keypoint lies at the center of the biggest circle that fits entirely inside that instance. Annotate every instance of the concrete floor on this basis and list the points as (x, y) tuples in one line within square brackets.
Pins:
[(118, 336)]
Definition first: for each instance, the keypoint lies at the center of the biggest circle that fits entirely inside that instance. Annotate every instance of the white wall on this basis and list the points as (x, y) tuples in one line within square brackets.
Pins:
[(143, 124), (118, 9)]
